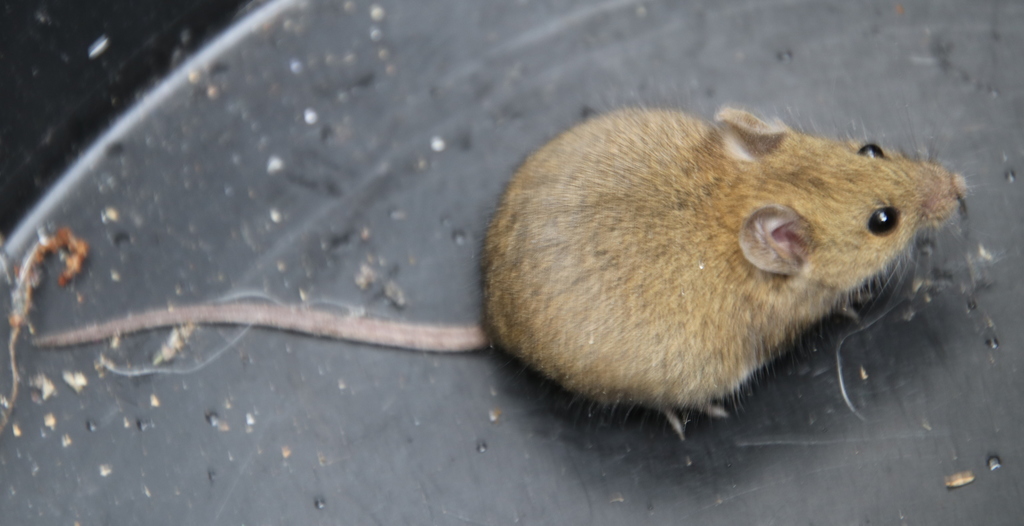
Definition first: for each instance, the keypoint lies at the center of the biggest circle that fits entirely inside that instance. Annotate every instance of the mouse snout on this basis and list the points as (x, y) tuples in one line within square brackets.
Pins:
[(944, 193)]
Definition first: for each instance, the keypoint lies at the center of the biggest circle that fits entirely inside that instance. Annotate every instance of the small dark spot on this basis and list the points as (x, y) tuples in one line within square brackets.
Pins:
[(994, 462), (144, 424), (971, 304), (365, 80), (941, 51), (218, 68), (1011, 176), (710, 92), (120, 238), (481, 446), (210, 475), (336, 241), (784, 56), (90, 426), (465, 141), (212, 418), (587, 112), (115, 149), (992, 343), (319, 503)]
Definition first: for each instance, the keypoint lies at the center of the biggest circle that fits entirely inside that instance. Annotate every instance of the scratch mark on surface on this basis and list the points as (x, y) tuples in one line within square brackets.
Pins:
[(801, 442), (242, 469), (539, 34)]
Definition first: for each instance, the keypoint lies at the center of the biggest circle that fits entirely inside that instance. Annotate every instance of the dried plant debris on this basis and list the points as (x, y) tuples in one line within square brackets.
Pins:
[(76, 380), (44, 385), (960, 479), (73, 251)]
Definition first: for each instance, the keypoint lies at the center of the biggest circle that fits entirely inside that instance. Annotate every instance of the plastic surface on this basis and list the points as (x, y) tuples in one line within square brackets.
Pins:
[(318, 142)]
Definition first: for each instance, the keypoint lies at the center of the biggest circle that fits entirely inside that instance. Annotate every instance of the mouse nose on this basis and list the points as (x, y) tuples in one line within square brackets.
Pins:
[(944, 193)]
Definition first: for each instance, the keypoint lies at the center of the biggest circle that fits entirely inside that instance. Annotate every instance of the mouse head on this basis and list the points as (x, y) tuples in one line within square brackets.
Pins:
[(833, 212)]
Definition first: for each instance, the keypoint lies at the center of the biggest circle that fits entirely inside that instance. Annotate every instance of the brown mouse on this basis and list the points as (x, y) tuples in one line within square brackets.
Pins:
[(649, 257)]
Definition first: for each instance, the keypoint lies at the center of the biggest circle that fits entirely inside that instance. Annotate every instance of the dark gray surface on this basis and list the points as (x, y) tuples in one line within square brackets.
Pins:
[(408, 439)]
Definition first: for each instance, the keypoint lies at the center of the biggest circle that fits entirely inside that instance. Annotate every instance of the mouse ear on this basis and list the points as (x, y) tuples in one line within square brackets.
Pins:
[(775, 239), (747, 137)]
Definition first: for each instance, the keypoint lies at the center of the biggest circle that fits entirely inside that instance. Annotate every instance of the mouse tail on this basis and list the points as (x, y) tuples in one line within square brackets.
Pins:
[(293, 318)]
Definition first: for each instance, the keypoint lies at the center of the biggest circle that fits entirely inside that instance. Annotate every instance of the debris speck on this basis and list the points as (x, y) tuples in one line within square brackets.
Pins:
[(115, 276), (349, 7), (983, 253), (310, 116), (957, 480), (250, 420), (925, 424), (110, 215), (365, 277), (341, 384), (274, 165), (50, 421), (75, 380), (494, 415), (295, 65), (45, 386), (376, 13), (65, 440), (16, 430), (105, 470), (437, 143), (286, 451), (154, 401), (98, 47), (863, 373), (617, 497), (376, 34), (174, 343), (364, 234), (275, 215)]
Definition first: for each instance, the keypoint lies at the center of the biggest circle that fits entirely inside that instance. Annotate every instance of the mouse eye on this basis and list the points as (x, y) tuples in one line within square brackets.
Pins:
[(883, 220), (871, 150)]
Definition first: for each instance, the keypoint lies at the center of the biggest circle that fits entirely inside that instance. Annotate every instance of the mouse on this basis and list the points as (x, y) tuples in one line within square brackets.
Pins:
[(650, 257)]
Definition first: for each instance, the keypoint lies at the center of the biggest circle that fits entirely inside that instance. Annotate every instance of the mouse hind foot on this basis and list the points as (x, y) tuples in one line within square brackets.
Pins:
[(678, 424), (678, 419)]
